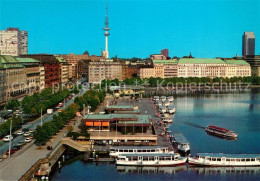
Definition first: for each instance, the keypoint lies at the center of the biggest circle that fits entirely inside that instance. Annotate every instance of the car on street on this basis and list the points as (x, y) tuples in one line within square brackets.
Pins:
[(11, 151), (8, 138), (27, 133), (27, 140), (25, 129), (17, 147), (20, 133), (20, 143), (31, 131)]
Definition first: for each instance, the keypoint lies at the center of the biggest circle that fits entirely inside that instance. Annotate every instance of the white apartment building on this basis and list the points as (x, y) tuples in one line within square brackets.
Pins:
[(200, 67), (101, 70), (13, 42)]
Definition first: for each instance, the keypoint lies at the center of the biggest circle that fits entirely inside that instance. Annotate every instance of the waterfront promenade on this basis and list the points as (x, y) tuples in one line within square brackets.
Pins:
[(17, 165)]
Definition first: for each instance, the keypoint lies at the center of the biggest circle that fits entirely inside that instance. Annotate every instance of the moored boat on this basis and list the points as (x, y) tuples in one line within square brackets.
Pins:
[(156, 159), (117, 150), (222, 132), (181, 143), (220, 159)]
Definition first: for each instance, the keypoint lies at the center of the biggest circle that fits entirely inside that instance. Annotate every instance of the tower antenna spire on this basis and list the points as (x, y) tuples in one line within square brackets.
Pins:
[(105, 53)]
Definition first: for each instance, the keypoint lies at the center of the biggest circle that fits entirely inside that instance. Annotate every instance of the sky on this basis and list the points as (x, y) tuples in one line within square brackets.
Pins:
[(206, 28)]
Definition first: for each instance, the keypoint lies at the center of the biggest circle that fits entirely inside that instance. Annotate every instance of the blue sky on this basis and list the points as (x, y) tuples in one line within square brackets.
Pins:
[(138, 28)]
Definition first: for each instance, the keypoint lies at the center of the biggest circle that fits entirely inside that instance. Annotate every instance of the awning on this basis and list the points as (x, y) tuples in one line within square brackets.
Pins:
[(89, 123), (97, 123), (105, 123)]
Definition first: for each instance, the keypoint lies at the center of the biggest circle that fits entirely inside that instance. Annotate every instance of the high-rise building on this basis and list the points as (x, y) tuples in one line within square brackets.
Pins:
[(165, 52), (248, 44), (13, 42), (105, 53)]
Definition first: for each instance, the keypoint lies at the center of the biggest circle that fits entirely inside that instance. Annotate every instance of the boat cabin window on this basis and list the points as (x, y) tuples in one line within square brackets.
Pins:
[(134, 158), (248, 159), (112, 150), (131, 150), (219, 159), (148, 150), (145, 158), (121, 150), (139, 150), (228, 160), (152, 150), (252, 159), (213, 159), (233, 160), (144, 150), (161, 158), (242, 160), (151, 158), (168, 158), (238, 160)]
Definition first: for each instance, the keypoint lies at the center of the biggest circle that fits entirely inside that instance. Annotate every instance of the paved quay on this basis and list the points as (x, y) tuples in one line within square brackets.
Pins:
[(146, 106)]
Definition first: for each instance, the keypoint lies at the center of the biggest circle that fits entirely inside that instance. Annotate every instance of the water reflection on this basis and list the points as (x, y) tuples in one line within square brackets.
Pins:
[(198, 170), (151, 170), (225, 170)]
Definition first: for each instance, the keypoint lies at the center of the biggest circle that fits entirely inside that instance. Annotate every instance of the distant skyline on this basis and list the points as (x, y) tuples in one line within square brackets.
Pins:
[(207, 29)]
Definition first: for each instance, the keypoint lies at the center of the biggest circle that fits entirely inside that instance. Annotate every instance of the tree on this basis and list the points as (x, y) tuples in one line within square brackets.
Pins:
[(12, 104)]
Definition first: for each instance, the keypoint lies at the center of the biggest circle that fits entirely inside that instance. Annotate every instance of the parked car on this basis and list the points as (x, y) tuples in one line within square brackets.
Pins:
[(20, 143), (60, 104), (20, 133), (31, 131), (27, 133), (8, 138), (25, 129), (27, 140), (17, 147), (11, 151)]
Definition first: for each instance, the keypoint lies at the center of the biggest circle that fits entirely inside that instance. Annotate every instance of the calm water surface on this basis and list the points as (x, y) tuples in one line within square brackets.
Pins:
[(237, 112)]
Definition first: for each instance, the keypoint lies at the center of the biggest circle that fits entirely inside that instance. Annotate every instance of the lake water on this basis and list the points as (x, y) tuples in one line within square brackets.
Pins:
[(238, 112)]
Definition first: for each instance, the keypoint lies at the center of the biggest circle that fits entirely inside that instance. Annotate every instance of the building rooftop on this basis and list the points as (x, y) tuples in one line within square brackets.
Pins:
[(120, 107), (201, 60), (237, 62), (8, 61), (60, 59), (167, 62), (27, 60), (126, 87)]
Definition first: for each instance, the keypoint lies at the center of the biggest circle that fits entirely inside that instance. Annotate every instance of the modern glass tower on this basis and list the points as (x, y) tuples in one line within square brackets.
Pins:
[(248, 44)]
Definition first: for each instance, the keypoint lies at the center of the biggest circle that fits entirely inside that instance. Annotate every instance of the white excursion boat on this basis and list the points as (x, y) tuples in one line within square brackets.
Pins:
[(163, 98), (181, 143), (156, 98), (156, 159), (224, 160), (162, 108), (166, 103), (171, 109), (170, 98), (167, 119), (117, 150)]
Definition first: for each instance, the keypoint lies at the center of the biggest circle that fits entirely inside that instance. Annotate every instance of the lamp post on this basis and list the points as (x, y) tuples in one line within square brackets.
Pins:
[(10, 140), (41, 116)]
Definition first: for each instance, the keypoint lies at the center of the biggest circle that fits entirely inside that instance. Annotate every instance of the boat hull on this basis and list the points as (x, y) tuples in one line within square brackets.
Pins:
[(201, 162), (152, 163)]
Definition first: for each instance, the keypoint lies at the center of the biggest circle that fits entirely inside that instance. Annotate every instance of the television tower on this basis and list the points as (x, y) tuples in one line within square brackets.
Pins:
[(105, 52)]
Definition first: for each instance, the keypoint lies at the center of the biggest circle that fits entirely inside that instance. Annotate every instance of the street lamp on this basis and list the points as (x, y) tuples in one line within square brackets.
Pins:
[(10, 140)]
